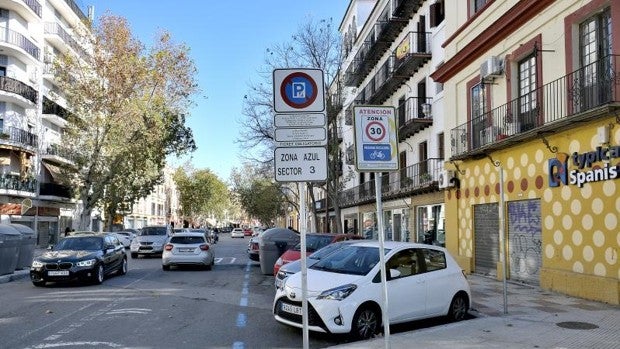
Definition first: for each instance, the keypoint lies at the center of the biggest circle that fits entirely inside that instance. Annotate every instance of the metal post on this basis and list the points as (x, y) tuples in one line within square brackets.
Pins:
[(502, 235), (384, 312), (304, 266)]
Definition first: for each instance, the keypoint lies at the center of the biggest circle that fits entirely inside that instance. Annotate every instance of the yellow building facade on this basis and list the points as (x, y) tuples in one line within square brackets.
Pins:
[(532, 111)]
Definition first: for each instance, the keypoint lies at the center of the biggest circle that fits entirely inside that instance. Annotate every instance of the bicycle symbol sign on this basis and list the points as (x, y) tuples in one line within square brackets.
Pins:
[(374, 131)]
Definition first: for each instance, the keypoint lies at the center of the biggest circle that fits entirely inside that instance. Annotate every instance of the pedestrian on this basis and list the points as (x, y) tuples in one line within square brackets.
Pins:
[(67, 231)]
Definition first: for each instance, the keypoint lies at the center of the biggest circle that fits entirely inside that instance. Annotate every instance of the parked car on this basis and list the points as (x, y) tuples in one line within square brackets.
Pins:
[(247, 232), (345, 295), (293, 267), (187, 249), (150, 241), (131, 234), (237, 233), (253, 247), (314, 241), (86, 257), (124, 239)]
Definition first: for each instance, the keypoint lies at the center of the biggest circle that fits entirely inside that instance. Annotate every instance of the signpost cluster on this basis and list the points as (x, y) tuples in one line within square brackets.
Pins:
[(301, 138)]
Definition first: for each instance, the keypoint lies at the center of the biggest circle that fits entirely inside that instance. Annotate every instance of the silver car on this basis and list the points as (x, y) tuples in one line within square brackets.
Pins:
[(187, 249), (150, 241)]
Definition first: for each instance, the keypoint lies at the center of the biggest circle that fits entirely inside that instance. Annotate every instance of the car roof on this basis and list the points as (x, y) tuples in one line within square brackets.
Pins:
[(394, 244), (185, 233)]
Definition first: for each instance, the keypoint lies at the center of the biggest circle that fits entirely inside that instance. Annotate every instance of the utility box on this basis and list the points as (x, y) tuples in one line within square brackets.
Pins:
[(272, 243)]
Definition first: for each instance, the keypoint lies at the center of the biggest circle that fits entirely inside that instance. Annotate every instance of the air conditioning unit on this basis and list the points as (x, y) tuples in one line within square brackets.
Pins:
[(491, 68), (445, 179)]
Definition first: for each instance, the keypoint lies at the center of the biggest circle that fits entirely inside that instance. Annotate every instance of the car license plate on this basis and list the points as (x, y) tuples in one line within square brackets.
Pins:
[(186, 250), (289, 308), (58, 272)]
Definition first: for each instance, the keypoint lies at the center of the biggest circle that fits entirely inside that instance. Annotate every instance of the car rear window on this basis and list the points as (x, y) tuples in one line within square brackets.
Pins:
[(315, 242), (187, 240), (153, 231)]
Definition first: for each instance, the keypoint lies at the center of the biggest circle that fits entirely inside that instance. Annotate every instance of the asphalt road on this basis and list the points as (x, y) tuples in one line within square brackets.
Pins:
[(227, 307)]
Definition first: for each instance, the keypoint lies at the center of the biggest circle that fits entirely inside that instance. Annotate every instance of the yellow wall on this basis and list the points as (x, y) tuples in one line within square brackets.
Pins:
[(580, 226)]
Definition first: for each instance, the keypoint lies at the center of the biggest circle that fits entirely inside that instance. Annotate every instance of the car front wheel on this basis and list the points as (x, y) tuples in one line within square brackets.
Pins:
[(458, 308), (39, 283), (99, 275), (365, 323), (165, 267), (134, 255), (122, 269)]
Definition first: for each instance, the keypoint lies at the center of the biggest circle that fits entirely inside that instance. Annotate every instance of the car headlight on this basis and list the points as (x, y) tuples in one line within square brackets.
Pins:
[(86, 263), (338, 293), (36, 264)]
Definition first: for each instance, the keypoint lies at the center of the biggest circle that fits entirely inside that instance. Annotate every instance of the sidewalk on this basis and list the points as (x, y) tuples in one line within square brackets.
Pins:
[(535, 319)]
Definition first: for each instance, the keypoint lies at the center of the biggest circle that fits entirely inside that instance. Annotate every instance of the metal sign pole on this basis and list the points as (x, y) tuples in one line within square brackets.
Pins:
[(304, 266), (502, 236), (384, 312)]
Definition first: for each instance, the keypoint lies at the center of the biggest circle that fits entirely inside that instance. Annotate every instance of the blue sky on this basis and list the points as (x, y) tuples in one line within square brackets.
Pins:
[(228, 41)]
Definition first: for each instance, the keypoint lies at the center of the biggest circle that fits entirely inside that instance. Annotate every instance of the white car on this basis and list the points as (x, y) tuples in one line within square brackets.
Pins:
[(345, 292), (187, 249), (237, 233), (124, 238)]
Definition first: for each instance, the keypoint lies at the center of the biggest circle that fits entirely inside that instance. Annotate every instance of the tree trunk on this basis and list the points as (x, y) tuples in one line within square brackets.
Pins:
[(84, 223)]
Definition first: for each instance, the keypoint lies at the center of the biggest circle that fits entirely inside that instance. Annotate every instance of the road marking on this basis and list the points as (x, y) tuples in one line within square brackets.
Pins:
[(238, 345)]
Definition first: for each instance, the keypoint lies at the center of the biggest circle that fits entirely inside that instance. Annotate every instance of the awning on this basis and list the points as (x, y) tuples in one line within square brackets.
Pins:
[(54, 171)]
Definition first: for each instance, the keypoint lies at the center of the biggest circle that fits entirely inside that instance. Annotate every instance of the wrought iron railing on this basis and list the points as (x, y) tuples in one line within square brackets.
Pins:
[(53, 28), (417, 177), (17, 87), (34, 5), (10, 181), (78, 11), (18, 39), (59, 151), (583, 90), (14, 135), (51, 107)]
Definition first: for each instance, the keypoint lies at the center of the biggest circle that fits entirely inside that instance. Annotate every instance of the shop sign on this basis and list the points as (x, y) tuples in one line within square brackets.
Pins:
[(585, 167)]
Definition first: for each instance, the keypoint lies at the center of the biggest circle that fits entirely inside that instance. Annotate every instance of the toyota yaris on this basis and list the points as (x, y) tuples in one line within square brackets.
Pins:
[(345, 292)]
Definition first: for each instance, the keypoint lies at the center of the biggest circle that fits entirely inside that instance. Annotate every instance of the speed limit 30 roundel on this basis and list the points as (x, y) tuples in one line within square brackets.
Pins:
[(375, 131)]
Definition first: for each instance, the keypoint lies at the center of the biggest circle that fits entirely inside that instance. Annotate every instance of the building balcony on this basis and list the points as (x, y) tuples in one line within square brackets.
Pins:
[(586, 94), (55, 190), (410, 55), (69, 9), (18, 89), (62, 39), (54, 112), (30, 10), (414, 115), (391, 22), (57, 154), (19, 40), (15, 184), (416, 179), (13, 137)]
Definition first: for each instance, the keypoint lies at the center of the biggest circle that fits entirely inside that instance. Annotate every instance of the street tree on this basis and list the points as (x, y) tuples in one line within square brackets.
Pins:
[(202, 194), (316, 44), (260, 197), (128, 106)]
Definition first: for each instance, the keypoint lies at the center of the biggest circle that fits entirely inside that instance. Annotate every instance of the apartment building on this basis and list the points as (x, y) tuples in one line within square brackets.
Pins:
[(391, 47), (33, 114), (532, 118), (508, 134)]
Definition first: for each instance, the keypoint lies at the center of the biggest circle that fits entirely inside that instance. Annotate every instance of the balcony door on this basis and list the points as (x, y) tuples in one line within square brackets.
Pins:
[(528, 101), (593, 85)]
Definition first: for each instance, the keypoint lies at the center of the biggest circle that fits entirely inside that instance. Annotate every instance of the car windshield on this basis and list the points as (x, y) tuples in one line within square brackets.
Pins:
[(354, 260), (78, 244), (153, 231), (320, 254), (187, 240), (315, 242)]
